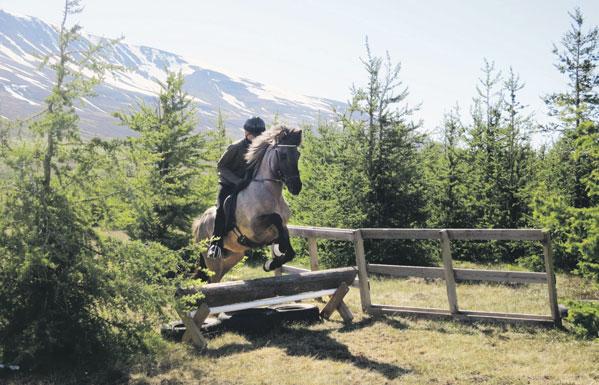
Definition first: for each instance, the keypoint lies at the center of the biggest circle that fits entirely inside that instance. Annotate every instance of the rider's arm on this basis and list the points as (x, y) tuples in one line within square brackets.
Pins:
[(225, 163)]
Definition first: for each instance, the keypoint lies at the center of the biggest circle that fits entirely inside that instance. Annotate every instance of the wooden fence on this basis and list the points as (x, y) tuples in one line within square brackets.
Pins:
[(447, 272)]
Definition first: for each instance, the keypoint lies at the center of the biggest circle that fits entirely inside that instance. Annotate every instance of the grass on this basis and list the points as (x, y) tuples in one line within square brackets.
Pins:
[(392, 350)]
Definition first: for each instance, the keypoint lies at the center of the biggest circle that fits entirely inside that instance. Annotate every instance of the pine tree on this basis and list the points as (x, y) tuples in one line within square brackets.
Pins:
[(516, 156), (170, 159), (364, 170), (578, 59), (380, 116), (566, 199), (499, 162), (218, 138), (482, 155), (450, 202)]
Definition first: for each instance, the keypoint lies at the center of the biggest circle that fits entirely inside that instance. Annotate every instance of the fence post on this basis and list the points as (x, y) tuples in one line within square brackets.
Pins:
[(449, 273), (548, 254), (362, 271), (313, 249)]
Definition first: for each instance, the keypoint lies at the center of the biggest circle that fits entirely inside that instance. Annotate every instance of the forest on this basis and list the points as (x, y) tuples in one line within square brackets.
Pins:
[(94, 231)]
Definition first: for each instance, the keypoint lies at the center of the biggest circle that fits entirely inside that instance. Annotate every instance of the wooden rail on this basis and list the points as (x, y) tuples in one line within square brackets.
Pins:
[(456, 234), (448, 273), (226, 293), (461, 275)]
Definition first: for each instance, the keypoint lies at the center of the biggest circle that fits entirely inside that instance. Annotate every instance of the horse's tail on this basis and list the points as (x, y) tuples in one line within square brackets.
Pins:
[(195, 229), (202, 229)]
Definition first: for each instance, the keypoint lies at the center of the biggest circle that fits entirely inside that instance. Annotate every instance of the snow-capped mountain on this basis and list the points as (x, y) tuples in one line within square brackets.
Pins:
[(24, 85)]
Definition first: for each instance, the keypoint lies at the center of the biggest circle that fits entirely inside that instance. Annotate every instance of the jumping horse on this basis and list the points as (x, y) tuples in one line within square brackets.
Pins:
[(260, 214)]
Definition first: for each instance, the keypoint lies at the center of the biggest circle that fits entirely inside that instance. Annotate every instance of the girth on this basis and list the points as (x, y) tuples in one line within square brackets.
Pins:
[(245, 241)]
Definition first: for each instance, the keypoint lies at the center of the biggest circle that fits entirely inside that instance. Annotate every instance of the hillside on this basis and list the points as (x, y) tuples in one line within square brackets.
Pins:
[(24, 41)]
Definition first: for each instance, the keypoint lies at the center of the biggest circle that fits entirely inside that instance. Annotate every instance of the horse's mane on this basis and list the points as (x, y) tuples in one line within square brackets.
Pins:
[(276, 134)]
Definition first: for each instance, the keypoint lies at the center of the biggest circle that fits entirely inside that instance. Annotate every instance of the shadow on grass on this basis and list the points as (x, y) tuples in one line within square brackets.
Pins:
[(315, 344)]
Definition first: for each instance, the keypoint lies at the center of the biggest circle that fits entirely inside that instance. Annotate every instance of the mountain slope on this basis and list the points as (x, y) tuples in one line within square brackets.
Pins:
[(23, 85)]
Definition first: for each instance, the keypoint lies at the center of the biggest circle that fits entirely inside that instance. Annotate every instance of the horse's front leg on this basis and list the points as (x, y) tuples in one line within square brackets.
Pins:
[(221, 266), (283, 242)]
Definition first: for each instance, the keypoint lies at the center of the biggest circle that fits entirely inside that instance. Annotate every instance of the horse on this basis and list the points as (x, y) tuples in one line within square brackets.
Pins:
[(261, 214)]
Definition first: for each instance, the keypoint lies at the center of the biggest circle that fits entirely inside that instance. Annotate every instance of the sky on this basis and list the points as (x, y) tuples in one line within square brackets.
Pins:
[(314, 47)]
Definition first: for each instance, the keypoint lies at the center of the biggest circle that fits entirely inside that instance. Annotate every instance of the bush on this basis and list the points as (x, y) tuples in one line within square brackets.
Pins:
[(68, 297), (583, 318)]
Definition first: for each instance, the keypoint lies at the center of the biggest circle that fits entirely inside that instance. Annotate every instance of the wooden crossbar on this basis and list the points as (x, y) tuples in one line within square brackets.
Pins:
[(232, 292), (239, 295), (270, 301)]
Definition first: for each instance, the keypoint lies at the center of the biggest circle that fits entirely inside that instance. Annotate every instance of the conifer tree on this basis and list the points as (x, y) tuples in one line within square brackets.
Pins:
[(170, 159), (566, 199), (389, 140), (67, 295), (451, 196), (499, 161), (366, 173), (578, 59), (517, 157), (483, 150), (218, 138)]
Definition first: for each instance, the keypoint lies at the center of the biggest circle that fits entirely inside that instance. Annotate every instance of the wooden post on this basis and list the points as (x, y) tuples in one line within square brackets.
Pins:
[(193, 330), (335, 301), (548, 253), (362, 270), (313, 248), (449, 274), (345, 312)]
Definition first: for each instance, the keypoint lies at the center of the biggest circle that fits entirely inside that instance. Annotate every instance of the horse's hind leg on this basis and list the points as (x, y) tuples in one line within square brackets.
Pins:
[(283, 242)]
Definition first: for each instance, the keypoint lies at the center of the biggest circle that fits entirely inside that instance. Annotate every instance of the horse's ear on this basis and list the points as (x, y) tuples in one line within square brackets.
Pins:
[(297, 136)]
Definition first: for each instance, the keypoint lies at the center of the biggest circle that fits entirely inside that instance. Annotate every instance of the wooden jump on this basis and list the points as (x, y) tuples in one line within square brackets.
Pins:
[(238, 295), (447, 272)]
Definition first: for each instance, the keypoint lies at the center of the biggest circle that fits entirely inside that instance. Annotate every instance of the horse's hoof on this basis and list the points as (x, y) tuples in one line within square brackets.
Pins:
[(276, 250), (266, 265)]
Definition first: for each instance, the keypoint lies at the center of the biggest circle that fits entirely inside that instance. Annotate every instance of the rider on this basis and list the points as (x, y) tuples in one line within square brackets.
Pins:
[(231, 171)]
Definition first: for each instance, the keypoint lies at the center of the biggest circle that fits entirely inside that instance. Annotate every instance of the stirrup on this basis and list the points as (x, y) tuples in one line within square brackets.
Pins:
[(214, 252)]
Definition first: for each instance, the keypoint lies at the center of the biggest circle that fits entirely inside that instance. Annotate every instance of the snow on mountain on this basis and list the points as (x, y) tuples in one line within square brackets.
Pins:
[(25, 40)]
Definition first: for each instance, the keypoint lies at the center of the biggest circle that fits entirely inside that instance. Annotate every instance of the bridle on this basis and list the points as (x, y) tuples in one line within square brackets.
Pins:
[(282, 179)]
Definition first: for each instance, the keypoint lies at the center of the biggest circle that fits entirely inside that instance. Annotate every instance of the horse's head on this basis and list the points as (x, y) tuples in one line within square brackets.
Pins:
[(275, 154), (287, 157)]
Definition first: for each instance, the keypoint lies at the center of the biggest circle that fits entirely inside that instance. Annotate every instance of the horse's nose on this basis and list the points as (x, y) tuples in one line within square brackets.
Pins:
[(296, 188)]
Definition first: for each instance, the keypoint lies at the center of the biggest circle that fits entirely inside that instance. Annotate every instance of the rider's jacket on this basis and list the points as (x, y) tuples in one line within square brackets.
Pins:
[(232, 166)]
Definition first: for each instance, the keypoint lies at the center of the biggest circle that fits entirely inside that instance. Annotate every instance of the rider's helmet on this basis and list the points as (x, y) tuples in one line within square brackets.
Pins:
[(255, 126)]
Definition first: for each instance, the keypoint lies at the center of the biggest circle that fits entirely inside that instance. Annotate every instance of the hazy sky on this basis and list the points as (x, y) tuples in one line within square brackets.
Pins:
[(313, 47)]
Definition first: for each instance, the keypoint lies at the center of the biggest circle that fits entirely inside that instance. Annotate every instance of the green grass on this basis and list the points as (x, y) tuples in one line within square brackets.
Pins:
[(391, 350)]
